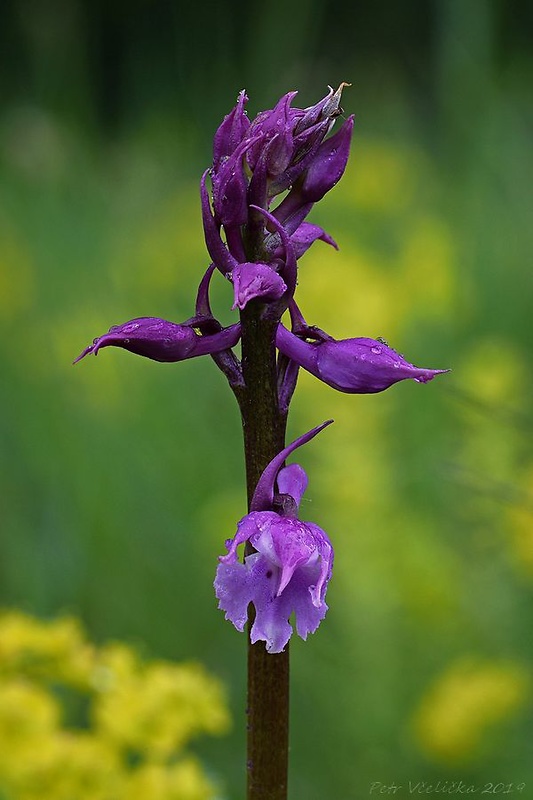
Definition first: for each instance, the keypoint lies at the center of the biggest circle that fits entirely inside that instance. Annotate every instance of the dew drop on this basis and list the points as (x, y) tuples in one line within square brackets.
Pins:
[(375, 350), (130, 328)]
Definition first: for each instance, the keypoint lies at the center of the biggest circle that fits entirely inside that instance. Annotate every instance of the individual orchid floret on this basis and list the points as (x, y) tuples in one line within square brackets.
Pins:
[(356, 366), (323, 173), (255, 281), (329, 164), (290, 566), (231, 131), (274, 133), (164, 341), (230, 187), (307, 233)]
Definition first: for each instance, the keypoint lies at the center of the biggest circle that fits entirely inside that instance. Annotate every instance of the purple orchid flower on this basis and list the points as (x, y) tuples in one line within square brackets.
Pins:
[(252, 281), (290, 567), (253, 162), (356, 366), (164, 341), (231, 131), (307, 233)]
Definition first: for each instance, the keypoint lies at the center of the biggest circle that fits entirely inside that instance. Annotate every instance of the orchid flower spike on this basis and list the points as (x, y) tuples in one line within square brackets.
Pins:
[(292, 563)]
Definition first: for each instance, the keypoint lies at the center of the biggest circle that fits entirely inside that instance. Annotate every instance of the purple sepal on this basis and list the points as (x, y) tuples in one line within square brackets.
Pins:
[(292, 480), (327, 108), (289, 267), (305, 148), (356, 366), (328, 165), (230, 186), (218, 251), (251, 281), (231, 131), (264, 491), (289, 573), (307, 233), (161, 340), (275, 129)]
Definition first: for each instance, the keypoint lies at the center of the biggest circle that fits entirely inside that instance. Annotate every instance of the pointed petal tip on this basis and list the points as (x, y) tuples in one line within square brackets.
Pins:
[(88, 350), (430, 374)]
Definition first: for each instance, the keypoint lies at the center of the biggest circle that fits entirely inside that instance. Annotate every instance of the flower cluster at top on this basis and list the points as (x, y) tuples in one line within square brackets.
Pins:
[(266, 176), (99, 723), (255, 240)]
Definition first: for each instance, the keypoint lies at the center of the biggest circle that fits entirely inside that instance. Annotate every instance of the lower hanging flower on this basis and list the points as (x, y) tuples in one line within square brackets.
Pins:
[(291, 565)]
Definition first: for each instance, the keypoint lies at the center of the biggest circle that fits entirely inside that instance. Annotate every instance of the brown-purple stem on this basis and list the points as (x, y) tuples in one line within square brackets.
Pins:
[(268, 673)]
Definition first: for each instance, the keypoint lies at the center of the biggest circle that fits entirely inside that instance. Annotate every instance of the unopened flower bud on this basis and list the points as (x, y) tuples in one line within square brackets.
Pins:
[(356, 366), (161, 340)]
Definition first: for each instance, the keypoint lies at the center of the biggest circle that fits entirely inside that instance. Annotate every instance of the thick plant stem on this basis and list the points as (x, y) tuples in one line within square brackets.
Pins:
[(268, 674)]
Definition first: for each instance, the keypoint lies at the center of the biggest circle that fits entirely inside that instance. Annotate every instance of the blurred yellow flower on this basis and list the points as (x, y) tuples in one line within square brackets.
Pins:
[(143, 715), (56, 650), (182, 781), (156, 710), (464, 704)]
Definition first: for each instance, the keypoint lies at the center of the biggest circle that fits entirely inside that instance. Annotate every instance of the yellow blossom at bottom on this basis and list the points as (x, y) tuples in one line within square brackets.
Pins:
[(182, 781), (129, 720)]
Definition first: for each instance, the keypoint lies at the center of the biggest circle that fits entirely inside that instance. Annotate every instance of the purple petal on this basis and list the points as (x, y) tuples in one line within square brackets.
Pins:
[(264, 491), (275, 130), (251, 281), (232, 591), (218, 251), (164, 341), (231, 131), (292, 480), (327, 108), (366, 366), (289, 268), (307, 233), (246, 528), (150, 337), (357, 366), (230, 186), (329, 163), (288, 573)]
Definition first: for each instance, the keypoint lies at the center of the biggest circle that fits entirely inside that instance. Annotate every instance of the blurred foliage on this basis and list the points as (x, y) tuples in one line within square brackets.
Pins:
[(122, 478), (130, 720)]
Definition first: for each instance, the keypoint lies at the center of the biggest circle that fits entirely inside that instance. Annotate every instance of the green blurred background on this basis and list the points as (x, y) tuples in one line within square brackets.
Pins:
[(121, 478)]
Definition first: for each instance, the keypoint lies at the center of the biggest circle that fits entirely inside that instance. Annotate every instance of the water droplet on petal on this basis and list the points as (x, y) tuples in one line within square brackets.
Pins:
[(375, 350), (131, 327)]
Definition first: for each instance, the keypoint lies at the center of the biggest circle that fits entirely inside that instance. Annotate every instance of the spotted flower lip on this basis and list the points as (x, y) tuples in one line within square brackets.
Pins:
[(290, 567), (356, 366), (163, 341)]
